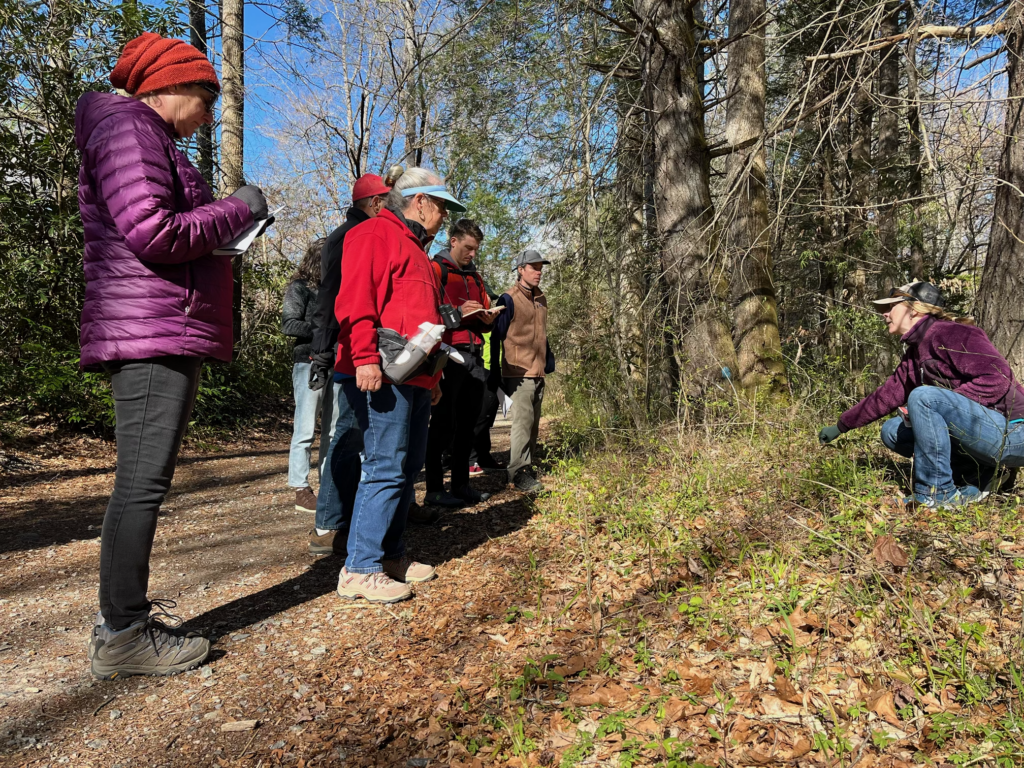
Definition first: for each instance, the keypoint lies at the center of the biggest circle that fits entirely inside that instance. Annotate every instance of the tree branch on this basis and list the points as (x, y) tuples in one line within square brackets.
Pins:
[(925, 32)]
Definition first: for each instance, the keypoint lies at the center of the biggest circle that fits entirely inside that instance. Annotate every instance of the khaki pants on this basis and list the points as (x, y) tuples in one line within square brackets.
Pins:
[(527, 396)]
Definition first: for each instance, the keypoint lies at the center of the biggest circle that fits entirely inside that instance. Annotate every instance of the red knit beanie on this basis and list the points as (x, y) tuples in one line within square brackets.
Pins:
[(150, 63)]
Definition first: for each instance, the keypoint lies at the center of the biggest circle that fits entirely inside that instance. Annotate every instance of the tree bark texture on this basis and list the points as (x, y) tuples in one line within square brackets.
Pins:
[(1000, 310), (887, 161), (204, 136), (755, 313), (915, 183), (697, 288), (232, 124)]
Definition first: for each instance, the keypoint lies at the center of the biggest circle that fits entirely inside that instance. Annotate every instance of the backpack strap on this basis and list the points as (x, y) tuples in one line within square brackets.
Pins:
[(441, 270)]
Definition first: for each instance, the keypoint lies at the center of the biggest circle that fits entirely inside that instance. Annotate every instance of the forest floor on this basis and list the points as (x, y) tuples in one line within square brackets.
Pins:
[(747, 600)]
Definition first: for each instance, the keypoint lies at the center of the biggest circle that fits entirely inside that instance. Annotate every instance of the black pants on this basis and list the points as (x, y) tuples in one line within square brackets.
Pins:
[(482, 431), (453, 420), (153, 401)]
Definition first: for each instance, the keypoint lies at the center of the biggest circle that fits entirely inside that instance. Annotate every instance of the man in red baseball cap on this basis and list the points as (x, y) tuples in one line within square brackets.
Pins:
[(340, 436)]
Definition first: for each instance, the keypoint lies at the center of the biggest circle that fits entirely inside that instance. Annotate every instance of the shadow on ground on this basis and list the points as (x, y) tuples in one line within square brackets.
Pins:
[(452, 537)]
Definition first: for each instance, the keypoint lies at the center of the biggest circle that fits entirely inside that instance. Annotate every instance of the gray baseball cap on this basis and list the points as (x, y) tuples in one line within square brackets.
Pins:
[(529, 257), (919, 291)]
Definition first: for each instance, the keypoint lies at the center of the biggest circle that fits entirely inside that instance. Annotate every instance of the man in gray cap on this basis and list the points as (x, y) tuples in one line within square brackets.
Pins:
[(522, 330)]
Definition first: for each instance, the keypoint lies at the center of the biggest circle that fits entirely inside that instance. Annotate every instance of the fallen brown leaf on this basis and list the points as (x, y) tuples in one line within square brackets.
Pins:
[(787, 691), (886, 550), (883, 706)]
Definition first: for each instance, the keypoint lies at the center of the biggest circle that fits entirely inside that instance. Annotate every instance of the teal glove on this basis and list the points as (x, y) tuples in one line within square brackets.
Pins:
[(828, 434)]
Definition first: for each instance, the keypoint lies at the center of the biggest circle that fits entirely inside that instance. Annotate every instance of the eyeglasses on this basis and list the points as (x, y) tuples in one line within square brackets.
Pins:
[(441, 205), (211, 101)]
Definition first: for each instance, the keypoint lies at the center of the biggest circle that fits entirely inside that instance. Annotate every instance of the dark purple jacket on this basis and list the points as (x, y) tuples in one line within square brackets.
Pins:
[(152, 286), (945, 354)]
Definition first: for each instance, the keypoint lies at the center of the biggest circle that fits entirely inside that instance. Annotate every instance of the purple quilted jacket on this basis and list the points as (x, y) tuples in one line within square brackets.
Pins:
[(152, 284)]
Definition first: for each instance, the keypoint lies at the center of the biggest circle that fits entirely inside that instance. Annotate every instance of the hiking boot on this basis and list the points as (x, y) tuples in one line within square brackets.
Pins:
[(147, 647), (475, 470), (408, 571), (527, 483), (443, 499), (305, 500), (961, 497), (422, 515), (328, 544), (374, 587), (471, 495)]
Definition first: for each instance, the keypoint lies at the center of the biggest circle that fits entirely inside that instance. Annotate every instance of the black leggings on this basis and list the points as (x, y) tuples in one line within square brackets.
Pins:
[(153, 401), (453, 419)]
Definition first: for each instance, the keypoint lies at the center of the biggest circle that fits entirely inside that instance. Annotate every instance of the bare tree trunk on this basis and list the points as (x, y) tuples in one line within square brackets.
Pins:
[(204, 136), (915, 184), (999, 306), (411, 96), (888, 148), (698, 288), (232, 122), (858, 243), (756, 331)]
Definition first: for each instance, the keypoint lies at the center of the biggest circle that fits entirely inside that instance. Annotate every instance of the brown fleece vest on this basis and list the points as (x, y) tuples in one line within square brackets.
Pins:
[(526, 343)]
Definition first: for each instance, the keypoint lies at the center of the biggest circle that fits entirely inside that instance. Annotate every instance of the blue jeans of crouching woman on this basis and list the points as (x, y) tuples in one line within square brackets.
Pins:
[(394, 421), (953, 441), (307, 404)]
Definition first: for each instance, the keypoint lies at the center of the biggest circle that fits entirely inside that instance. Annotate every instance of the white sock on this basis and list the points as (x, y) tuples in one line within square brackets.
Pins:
[(322, 531)]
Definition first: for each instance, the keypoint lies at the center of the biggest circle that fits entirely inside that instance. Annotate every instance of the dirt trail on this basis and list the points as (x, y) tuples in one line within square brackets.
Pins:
[(329, 682)]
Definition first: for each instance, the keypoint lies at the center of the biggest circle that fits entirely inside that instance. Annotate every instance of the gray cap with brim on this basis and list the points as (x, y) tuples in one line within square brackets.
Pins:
[(926, 293), (530, 257)]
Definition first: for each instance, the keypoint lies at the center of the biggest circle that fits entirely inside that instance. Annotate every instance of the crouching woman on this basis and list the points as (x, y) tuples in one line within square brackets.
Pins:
[(961, 411), (157, 301)]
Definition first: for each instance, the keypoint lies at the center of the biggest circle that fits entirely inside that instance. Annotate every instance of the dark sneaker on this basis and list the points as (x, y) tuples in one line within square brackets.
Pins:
[(305, 500), (422, 515), (475, 470), (471, 495), (328, 544), (148, 647), (490, 464), (443, 499), (527, 483)]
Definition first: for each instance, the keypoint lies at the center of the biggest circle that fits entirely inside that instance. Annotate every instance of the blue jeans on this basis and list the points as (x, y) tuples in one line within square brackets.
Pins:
[(307, 403), (394, 421), (339, 461), (953, 441)]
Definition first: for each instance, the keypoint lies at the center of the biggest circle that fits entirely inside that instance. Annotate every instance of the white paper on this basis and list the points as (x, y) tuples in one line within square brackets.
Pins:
[(241, 243), (454, 354), (506, 403)]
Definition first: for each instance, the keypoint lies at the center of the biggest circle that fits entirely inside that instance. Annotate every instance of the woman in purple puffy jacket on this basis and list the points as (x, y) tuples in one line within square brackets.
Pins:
[(157, 301)]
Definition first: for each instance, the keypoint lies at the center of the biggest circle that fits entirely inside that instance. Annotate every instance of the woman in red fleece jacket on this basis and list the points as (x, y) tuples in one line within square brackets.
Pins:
[(388, 282), (964, 412)]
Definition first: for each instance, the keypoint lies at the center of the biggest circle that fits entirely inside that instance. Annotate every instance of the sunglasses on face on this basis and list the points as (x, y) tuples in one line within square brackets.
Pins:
[(210, 100), (441, 206)]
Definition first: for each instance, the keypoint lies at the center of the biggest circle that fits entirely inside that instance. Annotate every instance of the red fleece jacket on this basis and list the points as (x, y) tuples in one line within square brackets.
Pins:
[(387, 281)]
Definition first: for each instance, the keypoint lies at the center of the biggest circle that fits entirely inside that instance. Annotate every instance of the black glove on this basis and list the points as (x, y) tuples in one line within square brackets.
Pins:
[(828, 434), (494, 380), (253, 197), (319, 368)]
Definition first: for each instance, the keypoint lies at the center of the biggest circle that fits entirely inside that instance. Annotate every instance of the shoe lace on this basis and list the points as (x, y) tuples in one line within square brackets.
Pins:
[(378, 579), (162, 626)]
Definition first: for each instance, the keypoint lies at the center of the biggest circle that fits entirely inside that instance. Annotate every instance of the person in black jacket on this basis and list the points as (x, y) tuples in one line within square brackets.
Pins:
[(340, 436), (297, 321)]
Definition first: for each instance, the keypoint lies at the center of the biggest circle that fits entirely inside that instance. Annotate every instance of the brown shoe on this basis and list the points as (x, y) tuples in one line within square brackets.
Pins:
[(408, 571), (305, 500), (328, 544), (374, 587)]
